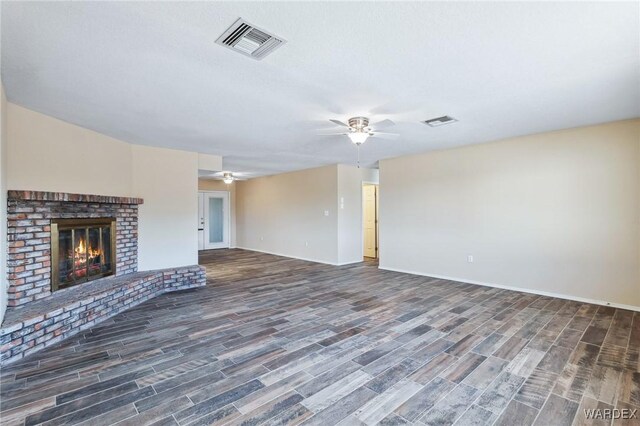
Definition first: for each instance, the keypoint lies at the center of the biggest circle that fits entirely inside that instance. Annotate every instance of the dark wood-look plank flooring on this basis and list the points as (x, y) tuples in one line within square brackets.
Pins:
[(277, 341)]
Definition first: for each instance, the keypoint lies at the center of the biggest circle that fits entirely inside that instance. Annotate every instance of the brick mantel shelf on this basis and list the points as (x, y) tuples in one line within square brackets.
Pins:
[(70, 198)]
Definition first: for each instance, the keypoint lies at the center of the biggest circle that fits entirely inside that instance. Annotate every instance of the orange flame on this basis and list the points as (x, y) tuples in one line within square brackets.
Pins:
[(81, 251)]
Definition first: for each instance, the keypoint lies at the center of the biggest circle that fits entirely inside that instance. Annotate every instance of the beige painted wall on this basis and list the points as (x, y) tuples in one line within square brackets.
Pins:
[(47, 154), (168, 220), (284, 214), (3, 203), (350, 246), (218, 185), (557, 212)]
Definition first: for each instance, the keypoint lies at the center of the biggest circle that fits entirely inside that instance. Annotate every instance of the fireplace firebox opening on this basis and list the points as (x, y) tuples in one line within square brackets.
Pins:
[(82, 250)]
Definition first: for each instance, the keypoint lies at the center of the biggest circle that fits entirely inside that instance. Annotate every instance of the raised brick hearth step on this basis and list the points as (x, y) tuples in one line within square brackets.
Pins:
[(42, 323)]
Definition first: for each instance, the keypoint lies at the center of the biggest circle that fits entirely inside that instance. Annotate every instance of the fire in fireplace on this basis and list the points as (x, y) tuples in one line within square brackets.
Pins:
[(82, 250)]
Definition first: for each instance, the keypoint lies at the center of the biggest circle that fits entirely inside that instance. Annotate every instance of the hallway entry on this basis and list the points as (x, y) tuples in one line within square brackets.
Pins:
[(370, 220)]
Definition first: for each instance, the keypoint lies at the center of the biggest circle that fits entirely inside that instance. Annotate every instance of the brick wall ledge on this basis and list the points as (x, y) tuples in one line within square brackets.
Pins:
[(70, 198), (28, 329)]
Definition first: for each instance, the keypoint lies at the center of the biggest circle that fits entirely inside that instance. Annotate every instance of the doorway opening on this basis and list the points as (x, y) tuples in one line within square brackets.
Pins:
[(214, 217), (370, 221)]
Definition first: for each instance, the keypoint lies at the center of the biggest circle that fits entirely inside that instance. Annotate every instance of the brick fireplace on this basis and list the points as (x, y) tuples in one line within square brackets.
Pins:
[(92, 285), (30, 215)]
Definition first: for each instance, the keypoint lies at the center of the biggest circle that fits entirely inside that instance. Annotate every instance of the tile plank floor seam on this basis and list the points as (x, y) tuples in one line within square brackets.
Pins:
[(273, 340)]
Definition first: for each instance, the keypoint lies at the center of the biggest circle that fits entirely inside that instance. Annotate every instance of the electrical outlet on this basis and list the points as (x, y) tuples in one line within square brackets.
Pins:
[(306, 243), (470, 258), (326, 212)]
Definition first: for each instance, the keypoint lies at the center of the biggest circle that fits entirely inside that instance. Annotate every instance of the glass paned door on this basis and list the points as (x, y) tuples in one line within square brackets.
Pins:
[(216, 220), (216, 227)]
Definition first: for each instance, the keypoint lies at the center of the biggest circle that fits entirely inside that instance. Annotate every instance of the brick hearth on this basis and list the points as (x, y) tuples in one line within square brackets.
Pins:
[(40, 324)]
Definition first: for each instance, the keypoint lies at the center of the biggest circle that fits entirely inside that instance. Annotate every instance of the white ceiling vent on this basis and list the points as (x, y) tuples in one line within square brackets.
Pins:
[(249, 40), (440, 121)]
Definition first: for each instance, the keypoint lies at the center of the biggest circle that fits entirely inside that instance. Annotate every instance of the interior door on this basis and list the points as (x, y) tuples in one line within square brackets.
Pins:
[(369, 197), (216, 220), (200, 221)]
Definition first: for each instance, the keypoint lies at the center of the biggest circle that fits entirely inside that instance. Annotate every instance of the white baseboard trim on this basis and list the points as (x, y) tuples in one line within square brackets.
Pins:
[(351, 262), (290, 256), (523, 290)]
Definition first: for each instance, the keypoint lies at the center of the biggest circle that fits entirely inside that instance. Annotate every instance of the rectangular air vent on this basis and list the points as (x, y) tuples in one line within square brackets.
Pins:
[(440, 121), (249, 40)]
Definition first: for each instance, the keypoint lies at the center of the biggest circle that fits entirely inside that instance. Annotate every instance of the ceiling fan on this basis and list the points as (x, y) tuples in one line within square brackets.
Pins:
[(227, 177), (359, 129)]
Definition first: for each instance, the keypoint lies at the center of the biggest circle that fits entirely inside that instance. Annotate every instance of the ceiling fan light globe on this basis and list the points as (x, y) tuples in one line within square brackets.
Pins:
[(358, 138), (228, 178)]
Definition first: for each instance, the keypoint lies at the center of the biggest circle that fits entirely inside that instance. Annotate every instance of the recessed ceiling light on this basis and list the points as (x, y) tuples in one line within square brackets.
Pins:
[(440, 121)]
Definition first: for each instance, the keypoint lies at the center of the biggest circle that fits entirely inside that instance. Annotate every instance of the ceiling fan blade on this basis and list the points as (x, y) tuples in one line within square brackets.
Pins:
[(339, 123), (382, 124), (331, 134), (381, 135)]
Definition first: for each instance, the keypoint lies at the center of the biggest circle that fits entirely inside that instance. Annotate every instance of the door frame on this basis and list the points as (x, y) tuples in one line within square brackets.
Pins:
[(377, 212), (226, 221)]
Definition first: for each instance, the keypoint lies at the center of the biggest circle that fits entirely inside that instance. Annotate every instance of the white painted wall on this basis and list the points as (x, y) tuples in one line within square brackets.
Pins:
[(3, 203), (349, 214), (218, 185), (167, 180), (553, 213), (284, 214), (370, 175), (209, 163), (47, 154)]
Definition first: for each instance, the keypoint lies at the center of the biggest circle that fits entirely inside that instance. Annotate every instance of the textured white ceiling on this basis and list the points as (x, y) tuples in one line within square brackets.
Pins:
[(150, 73)]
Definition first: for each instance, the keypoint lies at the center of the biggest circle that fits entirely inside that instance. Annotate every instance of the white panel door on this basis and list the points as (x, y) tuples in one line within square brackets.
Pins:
[(216, 220), (370, 220)]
